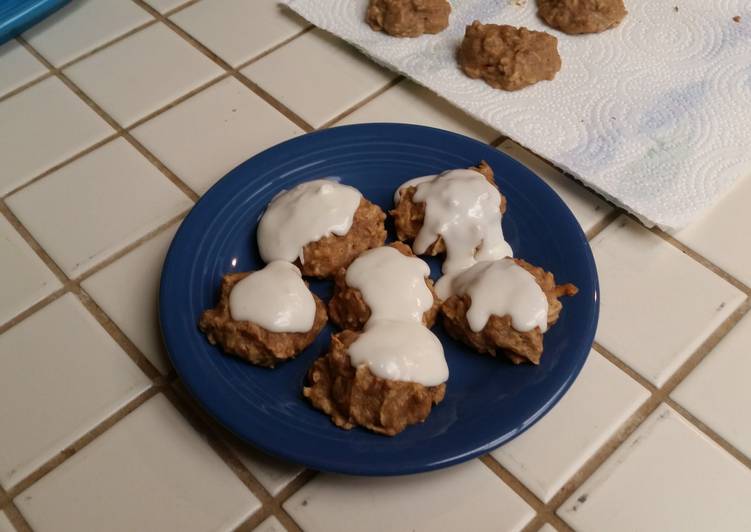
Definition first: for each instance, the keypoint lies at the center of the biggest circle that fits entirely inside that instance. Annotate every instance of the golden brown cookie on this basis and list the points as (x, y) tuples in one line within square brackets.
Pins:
[(250, 341), (354, 396), (498, 334), (581, 16), (348, 309), (408, 18), (409, 216), (507, 57), (325, 257)]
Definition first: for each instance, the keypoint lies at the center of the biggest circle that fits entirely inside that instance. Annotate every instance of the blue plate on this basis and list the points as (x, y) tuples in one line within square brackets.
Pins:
[(16, 16), (488, 401)]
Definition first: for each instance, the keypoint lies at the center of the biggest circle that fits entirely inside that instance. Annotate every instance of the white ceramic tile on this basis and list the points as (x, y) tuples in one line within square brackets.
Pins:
[(60, 375), (82, 26), (666, 476), (547, 528), (150, 472), (25, 278), (128, 289), (576, 428), (318, 76), (657, 304), (142, 73), (42, 126), (209, 134), (110, 197), (587, 208), (6, 526), (270, 471), (718, 235), (17, 66), (238, 30), (717, 391), (271, 524), (165, 5), (465, 497), (410, 103)]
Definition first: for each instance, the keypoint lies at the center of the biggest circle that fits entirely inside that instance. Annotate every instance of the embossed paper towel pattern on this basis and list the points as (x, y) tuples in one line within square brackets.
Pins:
[(654, 114)]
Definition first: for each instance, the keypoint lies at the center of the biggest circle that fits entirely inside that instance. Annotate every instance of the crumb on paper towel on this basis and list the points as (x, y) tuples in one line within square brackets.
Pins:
[(737, 18)]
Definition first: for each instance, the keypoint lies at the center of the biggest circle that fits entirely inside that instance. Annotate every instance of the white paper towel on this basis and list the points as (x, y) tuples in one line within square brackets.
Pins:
[(654, 114)]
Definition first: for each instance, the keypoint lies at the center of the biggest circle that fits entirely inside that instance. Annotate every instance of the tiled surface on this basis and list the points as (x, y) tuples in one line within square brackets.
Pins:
[(17, 66), (99, 217), (666, 476), (115, 77), (127, 291), (548, 528), (719, 236), (271, 524), (588, 208), (467, 496), (60, 375), (550, 452), (83, 25), (41, 127), (274, 474), (410, 103), (6, 526), (718, 390), (165, 5), (165, 477), (25, 278), (335, 76), (238, 30), (658, 305), (209, 134)]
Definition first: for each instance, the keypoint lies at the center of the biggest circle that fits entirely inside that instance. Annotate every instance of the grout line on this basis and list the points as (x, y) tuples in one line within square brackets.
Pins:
[(600, 226), (31, 241), (65, 162), (524, 492), (18, 318), (130, 247), (107, 44), (117, 334), (291, 115), (176, 102), (274, 48), (391, 84), (177, 9), (716, 438), (25, 86), (701, 260), (17, 519), (620, 364), (82, 442)]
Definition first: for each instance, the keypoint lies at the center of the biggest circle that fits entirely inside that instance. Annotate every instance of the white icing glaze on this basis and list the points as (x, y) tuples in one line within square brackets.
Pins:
[(392, 284), (400, 351), (462, 207), (276, 298), (502, 288), (304, 214)]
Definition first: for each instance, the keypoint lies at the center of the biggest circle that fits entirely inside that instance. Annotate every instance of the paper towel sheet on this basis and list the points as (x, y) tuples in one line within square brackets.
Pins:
[(654, 114)]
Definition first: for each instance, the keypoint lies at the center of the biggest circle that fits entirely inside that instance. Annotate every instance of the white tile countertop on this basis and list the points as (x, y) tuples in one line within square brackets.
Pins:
[(116, 115)]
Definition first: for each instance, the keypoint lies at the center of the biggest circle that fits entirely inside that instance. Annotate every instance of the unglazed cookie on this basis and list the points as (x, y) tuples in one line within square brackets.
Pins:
[(507, 57), (581, 16), (408, 18)]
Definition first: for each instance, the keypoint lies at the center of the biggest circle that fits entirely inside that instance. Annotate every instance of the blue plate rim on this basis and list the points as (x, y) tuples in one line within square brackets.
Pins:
[(309, 460)]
